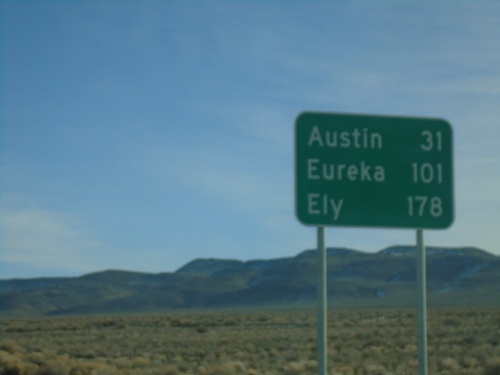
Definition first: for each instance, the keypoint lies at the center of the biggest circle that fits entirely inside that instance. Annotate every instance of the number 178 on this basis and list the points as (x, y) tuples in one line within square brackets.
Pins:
[(421, 205)]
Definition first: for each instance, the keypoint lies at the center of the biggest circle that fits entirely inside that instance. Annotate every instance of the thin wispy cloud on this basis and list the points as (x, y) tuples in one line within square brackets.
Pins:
[(44, 238)]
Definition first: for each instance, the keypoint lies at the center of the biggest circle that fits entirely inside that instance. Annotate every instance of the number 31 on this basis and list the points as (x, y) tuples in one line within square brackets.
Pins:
[(431, 140)]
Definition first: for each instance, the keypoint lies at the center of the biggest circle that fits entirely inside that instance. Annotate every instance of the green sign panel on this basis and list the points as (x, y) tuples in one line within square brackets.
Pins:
[(373, 171)]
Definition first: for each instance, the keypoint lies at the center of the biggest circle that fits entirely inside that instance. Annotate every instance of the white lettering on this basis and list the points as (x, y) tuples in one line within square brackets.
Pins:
[(376, 141), (331, 139), (328, 172), (365, 169), (355, 135), (316, 170), (318, 204), (315, 137), (312, 204), (379, 174), (312, 169), (352, 173), (336, 208), (345, 139), (340, 168)]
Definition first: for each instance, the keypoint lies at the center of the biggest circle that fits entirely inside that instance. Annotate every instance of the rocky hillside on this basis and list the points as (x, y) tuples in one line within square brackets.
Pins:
[(455, 276)]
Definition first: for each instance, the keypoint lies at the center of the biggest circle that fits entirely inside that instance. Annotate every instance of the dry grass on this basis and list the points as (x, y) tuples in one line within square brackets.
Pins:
[(268, 342)]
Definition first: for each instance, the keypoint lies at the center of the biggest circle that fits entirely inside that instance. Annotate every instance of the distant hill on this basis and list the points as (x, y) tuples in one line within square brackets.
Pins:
[(455, 276)]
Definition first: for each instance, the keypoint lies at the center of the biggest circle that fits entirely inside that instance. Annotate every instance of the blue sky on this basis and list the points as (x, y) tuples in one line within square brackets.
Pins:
[(140, 135)]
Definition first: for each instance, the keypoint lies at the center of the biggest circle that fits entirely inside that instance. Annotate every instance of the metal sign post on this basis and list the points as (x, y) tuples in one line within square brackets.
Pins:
[(322, 303), (421, 304)]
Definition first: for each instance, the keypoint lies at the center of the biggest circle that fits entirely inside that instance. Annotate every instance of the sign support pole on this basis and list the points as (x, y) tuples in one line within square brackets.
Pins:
[(421, 304), (322, 302)]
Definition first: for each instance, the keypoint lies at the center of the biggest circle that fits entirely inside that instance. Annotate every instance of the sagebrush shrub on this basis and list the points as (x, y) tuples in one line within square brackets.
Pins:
[(281, 342), (10, 346), (492, 367), (300, 368)]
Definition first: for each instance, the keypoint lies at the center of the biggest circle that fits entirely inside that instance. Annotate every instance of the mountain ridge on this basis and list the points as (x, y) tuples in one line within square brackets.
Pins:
[(455, 275)]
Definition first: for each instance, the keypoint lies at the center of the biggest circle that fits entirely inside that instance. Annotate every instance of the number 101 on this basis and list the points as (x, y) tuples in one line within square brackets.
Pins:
[(427, 173)]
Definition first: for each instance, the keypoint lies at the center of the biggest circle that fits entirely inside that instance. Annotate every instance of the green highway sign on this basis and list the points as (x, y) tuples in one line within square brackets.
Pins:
[(373, 171)]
